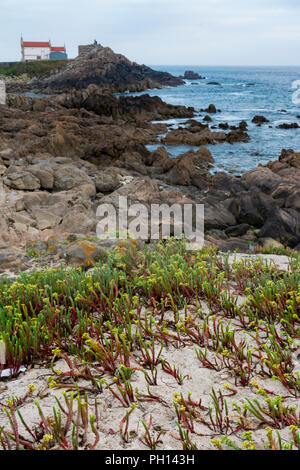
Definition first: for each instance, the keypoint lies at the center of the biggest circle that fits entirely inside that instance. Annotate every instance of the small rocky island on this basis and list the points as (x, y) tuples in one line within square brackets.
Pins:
[(190, 75)]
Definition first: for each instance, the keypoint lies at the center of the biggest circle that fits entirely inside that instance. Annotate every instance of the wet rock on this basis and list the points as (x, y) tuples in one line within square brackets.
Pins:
[(237, 136), (260, 120), (289, 125), (211, 109), (243, 125), (224, 126), (190, 75)]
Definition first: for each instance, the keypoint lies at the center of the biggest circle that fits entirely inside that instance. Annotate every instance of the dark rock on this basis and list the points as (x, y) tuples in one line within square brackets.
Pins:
[(251, 207), (288, 125), (237, 136), (259, 120), (263, 178), (243, 125), (218, 217), (190, 75), (283, 226), (104, 68), (229, 184), (224, 126), (190, 168), (231, 244), (238, 230), (211, 109), (104, 103), (218, 234)]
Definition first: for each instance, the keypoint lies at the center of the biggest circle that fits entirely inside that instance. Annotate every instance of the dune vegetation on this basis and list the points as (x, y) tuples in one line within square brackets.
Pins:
[(157, 348)]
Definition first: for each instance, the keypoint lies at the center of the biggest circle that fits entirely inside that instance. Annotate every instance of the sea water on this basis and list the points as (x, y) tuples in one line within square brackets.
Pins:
[(242, 93)]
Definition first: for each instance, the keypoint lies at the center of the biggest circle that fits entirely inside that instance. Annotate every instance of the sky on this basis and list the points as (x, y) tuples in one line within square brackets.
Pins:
[(160, 32)]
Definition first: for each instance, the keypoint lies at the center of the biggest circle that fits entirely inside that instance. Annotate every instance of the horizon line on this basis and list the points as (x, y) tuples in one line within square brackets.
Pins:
[(218, 65)]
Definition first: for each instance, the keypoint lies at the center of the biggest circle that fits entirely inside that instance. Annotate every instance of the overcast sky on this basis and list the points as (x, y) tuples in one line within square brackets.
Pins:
[(166, 32)]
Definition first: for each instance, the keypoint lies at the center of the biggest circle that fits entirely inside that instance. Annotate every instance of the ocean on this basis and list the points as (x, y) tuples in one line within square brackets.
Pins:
[(243, 93)]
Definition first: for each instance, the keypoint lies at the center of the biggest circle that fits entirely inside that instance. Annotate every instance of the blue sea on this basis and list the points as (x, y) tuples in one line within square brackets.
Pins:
[(243, 93)]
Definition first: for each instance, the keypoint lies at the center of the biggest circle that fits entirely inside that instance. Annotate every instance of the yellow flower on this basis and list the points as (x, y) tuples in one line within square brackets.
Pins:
[(254, 383), (52, 384)]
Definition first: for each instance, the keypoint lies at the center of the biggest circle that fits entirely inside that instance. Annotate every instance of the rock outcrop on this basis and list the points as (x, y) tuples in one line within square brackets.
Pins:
[(260, 120), (103, 67), (191, 75)]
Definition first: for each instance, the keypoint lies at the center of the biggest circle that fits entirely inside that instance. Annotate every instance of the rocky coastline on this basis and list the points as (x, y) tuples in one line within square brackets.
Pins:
[(60, 157)]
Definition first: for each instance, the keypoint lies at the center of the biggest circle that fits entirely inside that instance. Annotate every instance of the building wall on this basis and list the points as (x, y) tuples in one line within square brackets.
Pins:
[(32, 53), (85, 50), (58, 56)]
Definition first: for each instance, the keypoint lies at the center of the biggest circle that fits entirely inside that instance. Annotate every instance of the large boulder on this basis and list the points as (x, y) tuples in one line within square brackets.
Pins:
[(44, 173), (218, 217), (283, 226), (69, 177), (251, 207), (84, 252), (190, 168), (20, 178), (264, 178)]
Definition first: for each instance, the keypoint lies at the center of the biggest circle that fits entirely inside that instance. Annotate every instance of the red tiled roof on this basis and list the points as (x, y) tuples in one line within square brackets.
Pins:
[(57, 49), (36, 44)]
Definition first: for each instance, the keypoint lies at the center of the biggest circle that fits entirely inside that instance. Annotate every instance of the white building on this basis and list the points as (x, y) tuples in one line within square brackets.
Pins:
[(41, 51)]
